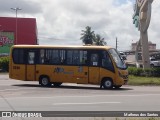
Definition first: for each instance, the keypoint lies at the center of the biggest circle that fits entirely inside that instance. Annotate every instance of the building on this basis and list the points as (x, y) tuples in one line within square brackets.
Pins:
[(153, 51), (17, 31), (151, 46)]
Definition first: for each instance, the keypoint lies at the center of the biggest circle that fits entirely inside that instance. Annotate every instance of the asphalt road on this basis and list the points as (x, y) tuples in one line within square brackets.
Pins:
[(29, 96)]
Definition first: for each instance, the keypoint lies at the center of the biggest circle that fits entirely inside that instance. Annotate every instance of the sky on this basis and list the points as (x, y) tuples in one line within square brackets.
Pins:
[(60, 22)]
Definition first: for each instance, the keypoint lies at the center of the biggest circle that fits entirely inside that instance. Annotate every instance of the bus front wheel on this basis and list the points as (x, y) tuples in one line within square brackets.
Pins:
[(44, 81), (107, 83)]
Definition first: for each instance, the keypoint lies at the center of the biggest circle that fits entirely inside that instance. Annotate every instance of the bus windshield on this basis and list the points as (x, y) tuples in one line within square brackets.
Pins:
[(119, 62)]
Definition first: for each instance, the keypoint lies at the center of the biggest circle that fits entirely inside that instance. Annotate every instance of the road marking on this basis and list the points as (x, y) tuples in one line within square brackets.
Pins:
[(16, 89), (92, 103), (54, 96), (134, 95)]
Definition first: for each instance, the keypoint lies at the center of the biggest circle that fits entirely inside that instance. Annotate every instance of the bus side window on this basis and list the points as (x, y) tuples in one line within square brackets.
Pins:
[(76, 57), (106, 61), (83, 57), (62, 56), (18, 56), (42, 56), (94, 60), (31, 57)]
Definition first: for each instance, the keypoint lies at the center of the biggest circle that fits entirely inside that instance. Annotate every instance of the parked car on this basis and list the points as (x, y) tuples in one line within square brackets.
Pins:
[(123, 55), (154, 62)]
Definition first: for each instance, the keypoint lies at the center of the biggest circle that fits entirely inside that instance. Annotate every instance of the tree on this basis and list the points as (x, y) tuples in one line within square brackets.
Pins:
[(87, 36), (99, 40)]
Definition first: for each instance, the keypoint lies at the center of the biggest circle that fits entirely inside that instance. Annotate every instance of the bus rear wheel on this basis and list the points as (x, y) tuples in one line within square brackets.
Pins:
[(107, 84), (44, 81), (57, 84)]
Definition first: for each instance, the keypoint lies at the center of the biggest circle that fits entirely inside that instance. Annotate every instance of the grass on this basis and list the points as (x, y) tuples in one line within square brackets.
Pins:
[(136, 80)]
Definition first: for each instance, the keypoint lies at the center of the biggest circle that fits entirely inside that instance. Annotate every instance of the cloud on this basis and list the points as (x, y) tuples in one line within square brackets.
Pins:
[(68, 18), (61, 21), (155, 24), (27, 6)]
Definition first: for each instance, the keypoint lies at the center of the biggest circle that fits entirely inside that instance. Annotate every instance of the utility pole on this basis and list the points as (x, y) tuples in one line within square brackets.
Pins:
[(116, 43), (16, 9)]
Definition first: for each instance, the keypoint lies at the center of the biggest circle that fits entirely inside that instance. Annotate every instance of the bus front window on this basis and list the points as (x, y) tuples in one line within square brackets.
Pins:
[(119, 62)]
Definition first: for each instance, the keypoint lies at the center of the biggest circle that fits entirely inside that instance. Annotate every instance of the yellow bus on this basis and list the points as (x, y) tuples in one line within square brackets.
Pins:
[(54, 65)]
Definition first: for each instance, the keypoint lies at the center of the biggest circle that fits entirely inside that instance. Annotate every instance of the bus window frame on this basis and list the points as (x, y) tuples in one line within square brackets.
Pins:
[(86, 63), (24, 54), (108, 55), (99, 58), (45, 63), (36, 58), (119, 57)]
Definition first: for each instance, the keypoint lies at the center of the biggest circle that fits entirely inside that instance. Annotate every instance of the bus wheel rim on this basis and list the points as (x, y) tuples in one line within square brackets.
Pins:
[(108, 83), (44, 81)]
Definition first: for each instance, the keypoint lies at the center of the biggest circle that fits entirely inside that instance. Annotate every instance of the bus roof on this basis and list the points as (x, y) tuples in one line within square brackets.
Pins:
[(62, 46)]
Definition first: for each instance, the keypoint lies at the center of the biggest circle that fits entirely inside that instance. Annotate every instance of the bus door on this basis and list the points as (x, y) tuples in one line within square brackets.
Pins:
[(31, 65), (81, 74), (94, 69), (77, 65)]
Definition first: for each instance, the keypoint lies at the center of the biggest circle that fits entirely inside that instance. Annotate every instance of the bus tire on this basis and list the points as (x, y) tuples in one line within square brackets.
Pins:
[(44, 81), (107, 83), (57, 84)]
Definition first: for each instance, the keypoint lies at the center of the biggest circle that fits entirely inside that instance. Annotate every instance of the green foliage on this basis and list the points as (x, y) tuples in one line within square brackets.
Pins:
[(155, 72), (151, 72), (4, 63), (87, 36), (135, 71), (99, 41)]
